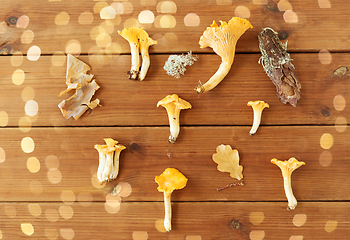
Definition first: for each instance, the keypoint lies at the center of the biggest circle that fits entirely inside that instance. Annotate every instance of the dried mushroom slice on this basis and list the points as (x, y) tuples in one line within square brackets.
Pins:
[(85, 88)]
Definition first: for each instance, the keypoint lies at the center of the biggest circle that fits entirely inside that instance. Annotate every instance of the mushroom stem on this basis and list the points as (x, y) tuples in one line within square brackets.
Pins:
[(145, 64), (102, 163), (135, 61), (220, 74), (174, 116), (108, 166), (256, 122), (167, 206), (292, 201)]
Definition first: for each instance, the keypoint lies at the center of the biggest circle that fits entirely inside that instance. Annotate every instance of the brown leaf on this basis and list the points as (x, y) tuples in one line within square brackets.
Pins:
[(228, 161)]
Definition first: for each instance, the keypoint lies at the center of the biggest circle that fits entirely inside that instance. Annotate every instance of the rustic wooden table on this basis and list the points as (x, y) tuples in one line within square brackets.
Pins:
[(48, 164)]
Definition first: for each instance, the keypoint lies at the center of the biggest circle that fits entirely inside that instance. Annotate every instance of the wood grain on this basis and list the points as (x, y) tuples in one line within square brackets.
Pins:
[(148, 153), (313, 31), (133, 103), (190, 221)]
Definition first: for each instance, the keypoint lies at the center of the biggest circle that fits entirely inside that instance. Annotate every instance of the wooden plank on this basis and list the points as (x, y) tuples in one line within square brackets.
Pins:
[(129, 103), (313, 31), (190, 221), (68, 161)]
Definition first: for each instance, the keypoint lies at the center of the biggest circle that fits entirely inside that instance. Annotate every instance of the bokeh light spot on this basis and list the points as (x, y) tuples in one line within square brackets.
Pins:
[(18, 77), (67, 233), (27, 37), (95, 31), (242, 12), (34, 209), (33, 53), (140, 235), (325, 56), (114, 48), (10, 211), (28, 93), (16, 59), (54, 176), (99, 6), (73, 47), (118, 7), (52, 162), (31, 108), (192, 20), (27, 145), (96, 183), (339, 103), (324, 4), (112, 204), (256, 217), (146, 16), (260, 2), (284, 5), (167, 21), (27, 229), (86, 18), (159, 225), (58, 59), (51, 233), (296, 237), (330, 226), (299, 219), (103, 40), (290, 16), (85, 199), (126, 189), (36, 187), (66, 212), (4, 119), (62, 18), (22, 21), (33, 165), (131, 22), (326, 141), (108, 26), (68, 197), (325, 158), (128, 7), (25, 124), (257, 235), (108, 13), (51, 215), (166, 7), (223, 2), (2, 155), (340, 124)]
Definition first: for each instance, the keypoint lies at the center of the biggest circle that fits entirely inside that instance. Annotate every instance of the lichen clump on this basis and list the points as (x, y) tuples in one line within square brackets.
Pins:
[(176, 64)]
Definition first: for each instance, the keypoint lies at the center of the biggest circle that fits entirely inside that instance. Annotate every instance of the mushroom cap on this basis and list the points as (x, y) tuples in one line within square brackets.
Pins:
[(170, 180), (145, 40), (130, 34), (287, 167), (174, 99), (258, 104), (111, 146), (222, 39)]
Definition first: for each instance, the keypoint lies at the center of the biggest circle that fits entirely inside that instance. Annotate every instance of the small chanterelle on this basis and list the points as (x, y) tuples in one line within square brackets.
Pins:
[(258, 106), (170, 180), (287, 167), (173, 105), (108, 167)]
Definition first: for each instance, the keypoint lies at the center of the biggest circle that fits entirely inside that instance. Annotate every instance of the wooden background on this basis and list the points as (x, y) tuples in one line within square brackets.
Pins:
[(50, 191)]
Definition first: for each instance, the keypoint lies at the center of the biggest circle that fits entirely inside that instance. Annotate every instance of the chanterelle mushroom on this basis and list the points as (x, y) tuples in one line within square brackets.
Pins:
[(131, 35), (223, 41), (85, 88), (108, 168), (145, 43), (170, 180), (258, 106), (173, 105), (287, 167)]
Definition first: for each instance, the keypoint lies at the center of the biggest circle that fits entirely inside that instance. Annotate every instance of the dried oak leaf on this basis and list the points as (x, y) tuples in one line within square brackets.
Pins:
[(228, 161), (84, 86)]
